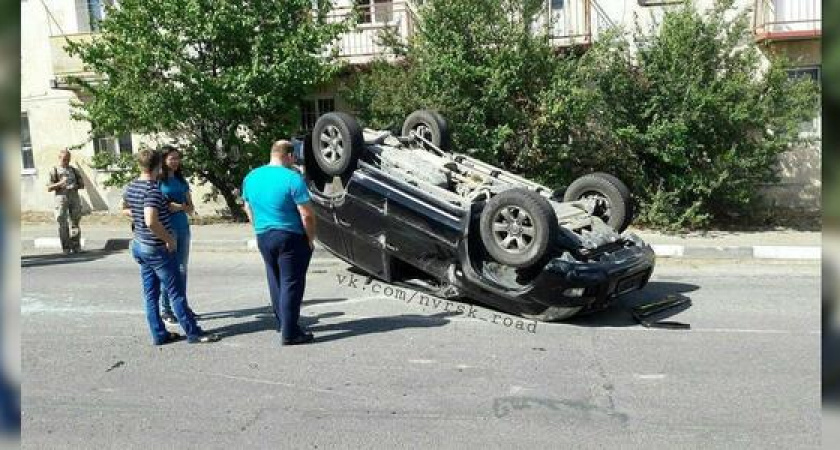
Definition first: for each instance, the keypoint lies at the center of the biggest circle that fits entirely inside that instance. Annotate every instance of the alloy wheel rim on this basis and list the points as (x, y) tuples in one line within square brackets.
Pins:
[(513, 229), (332, 145)]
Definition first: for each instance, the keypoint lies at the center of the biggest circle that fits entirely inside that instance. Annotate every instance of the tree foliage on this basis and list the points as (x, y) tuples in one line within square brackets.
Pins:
[(223, 77), (684, 112)]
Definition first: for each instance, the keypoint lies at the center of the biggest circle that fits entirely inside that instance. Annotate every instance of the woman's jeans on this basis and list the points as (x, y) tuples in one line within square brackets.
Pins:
[(159, 268), (183, 257), (286, 256)]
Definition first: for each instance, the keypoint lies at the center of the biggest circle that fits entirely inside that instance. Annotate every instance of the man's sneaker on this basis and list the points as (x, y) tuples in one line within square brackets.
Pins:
[(205, 338), (303, 338), (169, 318)]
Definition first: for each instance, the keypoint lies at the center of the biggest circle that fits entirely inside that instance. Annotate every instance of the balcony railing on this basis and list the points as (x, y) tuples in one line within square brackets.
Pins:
[(568, 22), (787, 19), (64, 65), (362, 43)]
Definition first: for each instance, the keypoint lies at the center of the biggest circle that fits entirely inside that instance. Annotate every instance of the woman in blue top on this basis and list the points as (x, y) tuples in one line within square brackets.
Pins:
[(175, 188)]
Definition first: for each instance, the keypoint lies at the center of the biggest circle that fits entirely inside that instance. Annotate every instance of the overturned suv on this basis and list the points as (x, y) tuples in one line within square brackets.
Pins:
[(406, 210)]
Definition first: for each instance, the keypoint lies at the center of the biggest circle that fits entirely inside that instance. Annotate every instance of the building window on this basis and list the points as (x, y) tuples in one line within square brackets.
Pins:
[(26, 157), (813, 73), (114, 145), (311, 110), (375, 11)]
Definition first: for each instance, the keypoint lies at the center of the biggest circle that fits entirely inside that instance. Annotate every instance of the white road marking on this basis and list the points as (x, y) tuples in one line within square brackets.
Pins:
[(650, 376)]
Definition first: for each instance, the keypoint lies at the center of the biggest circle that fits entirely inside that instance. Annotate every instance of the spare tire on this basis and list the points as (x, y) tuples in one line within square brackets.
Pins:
[(611, 198), (517, 226), (337, 143), (430, 125)]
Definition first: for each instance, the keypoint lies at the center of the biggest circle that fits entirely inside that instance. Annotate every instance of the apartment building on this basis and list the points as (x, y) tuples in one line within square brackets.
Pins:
[(790, 27)]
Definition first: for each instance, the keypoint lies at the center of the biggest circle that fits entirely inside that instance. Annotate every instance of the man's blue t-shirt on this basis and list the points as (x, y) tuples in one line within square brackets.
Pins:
[(274, 192)]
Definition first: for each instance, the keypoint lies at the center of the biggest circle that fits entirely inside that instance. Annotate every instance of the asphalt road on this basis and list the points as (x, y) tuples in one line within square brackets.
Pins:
[(388, 373)]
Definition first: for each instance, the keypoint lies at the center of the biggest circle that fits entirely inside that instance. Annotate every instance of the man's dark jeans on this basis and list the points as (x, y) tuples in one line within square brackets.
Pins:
[(286, 256), (159, 269)]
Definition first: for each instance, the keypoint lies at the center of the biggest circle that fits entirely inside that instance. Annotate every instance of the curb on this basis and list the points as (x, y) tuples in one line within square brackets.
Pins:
[(788, 252)]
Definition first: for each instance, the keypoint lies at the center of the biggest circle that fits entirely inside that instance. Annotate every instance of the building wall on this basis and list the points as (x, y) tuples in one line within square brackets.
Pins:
[(52, 128), (49, 113)]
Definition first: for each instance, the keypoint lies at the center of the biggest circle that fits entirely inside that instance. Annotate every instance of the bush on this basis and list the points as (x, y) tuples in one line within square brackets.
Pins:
[(684, 113)]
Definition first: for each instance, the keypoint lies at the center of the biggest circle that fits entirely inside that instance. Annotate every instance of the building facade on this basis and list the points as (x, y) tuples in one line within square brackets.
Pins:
[(789, 27)]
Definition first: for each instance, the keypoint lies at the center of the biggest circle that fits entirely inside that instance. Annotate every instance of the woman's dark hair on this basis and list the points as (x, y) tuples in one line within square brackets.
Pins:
[(165, 151)]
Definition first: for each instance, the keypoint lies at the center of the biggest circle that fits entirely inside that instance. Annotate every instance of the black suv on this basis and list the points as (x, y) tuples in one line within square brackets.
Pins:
[(407, 210)]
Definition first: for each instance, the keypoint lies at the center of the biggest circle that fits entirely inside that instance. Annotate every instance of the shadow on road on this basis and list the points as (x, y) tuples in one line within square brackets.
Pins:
[(263, 320), (54, 259), (260, 310), (618, 315), (372, 325)]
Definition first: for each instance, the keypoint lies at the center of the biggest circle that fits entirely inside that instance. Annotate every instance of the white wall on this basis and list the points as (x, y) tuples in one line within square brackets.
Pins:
[(51, 126)]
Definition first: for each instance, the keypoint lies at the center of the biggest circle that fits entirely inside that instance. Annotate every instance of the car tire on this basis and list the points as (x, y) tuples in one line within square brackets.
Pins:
[(517, 227), (429, 124), (554, 313), (618, 211), (337, 143)]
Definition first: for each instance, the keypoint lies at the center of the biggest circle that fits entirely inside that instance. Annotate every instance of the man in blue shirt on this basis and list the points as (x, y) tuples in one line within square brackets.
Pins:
[(277, 203)]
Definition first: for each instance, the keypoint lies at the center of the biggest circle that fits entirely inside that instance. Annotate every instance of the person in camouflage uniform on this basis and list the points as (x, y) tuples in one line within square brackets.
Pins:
[(66, 181)]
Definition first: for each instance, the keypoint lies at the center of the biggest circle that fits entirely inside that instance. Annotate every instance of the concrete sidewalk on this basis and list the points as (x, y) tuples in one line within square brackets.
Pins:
[(782, 244)]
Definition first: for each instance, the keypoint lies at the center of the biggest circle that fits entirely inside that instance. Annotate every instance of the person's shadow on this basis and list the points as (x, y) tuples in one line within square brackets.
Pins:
[(263, 320), (372, 325), (53, 259)]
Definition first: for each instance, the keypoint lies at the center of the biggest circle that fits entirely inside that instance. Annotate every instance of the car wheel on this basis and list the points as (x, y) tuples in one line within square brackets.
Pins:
[(337, 143), (516, 227), (554, 313), (429, 125), (609, 197)]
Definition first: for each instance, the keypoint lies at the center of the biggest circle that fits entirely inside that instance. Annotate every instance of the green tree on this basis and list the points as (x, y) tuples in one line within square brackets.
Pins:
[(688, 105), (223, 77), (684, 112), (477, 61)]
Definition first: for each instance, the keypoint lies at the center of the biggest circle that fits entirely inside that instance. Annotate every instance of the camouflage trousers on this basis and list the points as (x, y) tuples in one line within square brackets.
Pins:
[(68, 213)]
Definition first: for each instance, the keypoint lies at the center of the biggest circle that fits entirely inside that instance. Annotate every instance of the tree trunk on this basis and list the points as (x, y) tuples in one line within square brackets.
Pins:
[(236, 210), (226, 190)]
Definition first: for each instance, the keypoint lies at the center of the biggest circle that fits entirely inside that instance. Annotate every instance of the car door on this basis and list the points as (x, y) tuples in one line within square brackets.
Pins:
[(359, 215), (330, 235), (419, 229)]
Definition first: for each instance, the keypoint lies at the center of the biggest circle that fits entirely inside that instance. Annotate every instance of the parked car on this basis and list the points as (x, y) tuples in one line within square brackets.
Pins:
[(407, 210)]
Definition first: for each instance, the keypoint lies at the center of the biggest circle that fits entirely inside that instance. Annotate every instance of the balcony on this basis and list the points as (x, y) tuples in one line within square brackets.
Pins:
[(361, 44), (64, 65), (786, 20), (569, 22)]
